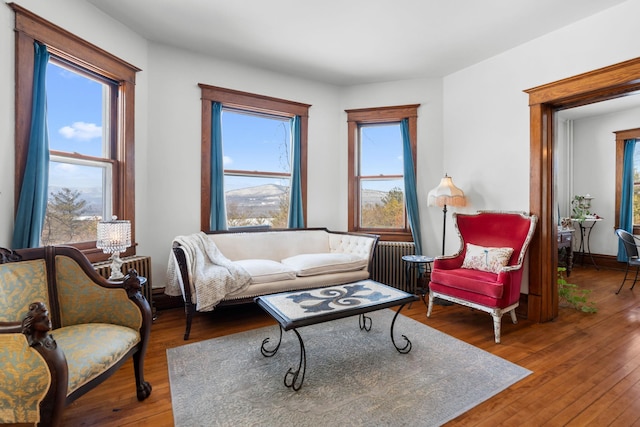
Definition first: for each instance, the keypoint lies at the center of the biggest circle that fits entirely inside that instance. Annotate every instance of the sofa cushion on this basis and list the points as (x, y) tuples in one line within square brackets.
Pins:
[(266, 270), (470, 280), (485, 258), (324, 263), (93, 348)]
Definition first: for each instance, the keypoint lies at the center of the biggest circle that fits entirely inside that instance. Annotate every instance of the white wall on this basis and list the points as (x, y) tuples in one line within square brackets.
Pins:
[(486, 113), (594, 168)]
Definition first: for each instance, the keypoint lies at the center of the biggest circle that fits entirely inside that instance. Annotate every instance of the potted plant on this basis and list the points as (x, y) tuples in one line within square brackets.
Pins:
[(571, 295)]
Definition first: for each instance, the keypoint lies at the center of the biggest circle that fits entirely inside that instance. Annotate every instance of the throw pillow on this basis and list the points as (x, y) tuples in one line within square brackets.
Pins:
[(486, 259)]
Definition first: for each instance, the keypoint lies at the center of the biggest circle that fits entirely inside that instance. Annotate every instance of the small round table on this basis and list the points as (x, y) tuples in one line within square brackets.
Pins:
[(415, 262)]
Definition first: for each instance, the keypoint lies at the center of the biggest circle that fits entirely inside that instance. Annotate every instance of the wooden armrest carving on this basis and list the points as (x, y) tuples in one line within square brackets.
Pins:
[(7, 255), (131, 283), (36, 326)]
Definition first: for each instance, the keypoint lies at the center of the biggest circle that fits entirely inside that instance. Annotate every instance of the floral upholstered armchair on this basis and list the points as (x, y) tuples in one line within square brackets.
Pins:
[(486, 273), (63, 331)]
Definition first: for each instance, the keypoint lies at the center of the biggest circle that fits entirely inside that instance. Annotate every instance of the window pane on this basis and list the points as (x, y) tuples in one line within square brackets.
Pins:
[(256, 201), (76, 109), (77, 199), (381, 150), (382, 203), (256, 142)]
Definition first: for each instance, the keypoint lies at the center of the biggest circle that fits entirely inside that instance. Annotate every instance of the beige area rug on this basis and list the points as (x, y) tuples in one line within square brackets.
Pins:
[(353, 377)]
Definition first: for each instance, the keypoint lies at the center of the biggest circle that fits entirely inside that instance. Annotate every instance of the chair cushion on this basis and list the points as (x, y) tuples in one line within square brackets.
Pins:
[(475, 281), (266, 270), (324, 263), (486, 258), (93, 348)]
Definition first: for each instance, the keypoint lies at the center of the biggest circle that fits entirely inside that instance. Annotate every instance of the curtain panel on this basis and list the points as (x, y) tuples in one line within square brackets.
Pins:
[(218, 219), (296, 214), (626, 201), (410, 192), (32, 204)]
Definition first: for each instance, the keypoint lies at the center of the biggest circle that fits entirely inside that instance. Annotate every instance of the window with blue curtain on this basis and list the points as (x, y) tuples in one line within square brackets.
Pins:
[(257, 167), (383, 197)]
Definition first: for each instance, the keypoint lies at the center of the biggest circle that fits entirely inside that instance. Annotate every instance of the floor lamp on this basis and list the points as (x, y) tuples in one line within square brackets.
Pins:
[(446, 194)]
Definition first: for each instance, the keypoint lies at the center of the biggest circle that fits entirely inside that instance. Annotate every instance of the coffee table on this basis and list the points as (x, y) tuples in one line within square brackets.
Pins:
[(293, 310)]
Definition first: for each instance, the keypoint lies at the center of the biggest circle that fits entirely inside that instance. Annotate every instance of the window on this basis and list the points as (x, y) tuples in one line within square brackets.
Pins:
[(81, 167), (90, 99), (256, 139), (621, 136), (257, 175), (376, 180)]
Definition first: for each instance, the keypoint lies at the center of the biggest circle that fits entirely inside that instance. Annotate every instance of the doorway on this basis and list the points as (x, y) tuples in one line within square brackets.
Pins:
[(599, 85)]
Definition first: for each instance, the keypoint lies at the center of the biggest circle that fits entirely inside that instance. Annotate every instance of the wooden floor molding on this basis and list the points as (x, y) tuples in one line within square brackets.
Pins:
[(586, 367)]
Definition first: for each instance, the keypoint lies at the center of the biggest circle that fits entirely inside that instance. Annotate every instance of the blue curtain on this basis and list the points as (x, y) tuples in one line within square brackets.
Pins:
[(218, 219), (32, 205), (410, 193), (296, 214), (626, 203)]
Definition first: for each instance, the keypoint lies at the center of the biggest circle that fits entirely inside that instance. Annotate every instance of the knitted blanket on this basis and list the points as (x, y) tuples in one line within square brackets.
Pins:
[(212, 275)]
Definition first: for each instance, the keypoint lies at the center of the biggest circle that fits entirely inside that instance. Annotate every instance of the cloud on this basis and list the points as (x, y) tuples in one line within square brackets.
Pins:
[(226, 160), (81, 131), (66, 167)]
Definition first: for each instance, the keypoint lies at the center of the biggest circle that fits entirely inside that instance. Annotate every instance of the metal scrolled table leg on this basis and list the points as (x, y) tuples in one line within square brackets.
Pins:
[(365, 322), (266, 352), (407, 347), (294, 379)]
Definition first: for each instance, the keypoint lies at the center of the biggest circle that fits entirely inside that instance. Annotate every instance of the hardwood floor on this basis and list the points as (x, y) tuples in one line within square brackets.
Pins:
[(586, 367)]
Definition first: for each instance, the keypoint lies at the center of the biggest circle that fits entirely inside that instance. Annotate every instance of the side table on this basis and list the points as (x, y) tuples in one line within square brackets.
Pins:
[(415, 262), (585, 227)]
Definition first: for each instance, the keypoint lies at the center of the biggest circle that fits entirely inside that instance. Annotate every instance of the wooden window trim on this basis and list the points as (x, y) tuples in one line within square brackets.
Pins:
[(621, 136), (356, 117), (61, 43), (251, 102)]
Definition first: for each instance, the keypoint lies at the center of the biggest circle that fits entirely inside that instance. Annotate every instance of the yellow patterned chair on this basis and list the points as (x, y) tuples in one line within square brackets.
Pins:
[(63, 331)]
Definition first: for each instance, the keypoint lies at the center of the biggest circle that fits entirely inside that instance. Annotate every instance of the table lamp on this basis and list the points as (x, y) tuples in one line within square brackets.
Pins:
[(114, 237)]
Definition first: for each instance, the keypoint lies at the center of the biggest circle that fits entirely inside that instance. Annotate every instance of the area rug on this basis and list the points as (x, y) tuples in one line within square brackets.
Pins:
[(353, 377)]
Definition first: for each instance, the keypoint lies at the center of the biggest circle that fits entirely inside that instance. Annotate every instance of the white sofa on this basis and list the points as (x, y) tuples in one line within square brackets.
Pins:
[(279, 261)]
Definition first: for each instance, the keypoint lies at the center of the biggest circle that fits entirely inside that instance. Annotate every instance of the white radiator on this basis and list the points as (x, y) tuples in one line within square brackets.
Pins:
[(142, 264), (388, 267)]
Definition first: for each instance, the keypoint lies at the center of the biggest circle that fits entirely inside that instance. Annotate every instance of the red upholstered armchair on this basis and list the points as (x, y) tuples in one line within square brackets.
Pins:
[(487, 271)]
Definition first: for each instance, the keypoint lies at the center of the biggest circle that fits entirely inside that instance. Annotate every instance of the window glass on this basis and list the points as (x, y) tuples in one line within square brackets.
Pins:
[(381, 149), (257, 162), (381, 177), (80, 170)]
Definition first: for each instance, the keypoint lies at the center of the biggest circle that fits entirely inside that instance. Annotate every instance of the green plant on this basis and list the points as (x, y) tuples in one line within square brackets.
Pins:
[(572, 296), (580, 208)]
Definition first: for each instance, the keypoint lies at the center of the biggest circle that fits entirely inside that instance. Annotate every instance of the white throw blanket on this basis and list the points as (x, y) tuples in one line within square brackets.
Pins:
[(212, 275)]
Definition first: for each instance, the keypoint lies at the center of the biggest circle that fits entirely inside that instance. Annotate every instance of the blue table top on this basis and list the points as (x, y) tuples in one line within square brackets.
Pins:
[(418, 258)]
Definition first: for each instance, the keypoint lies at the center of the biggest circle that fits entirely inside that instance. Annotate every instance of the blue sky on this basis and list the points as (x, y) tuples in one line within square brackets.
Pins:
[(74, 115)]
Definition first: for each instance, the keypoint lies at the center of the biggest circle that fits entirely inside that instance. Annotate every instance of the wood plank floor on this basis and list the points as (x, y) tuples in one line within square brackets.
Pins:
[(586, 367)]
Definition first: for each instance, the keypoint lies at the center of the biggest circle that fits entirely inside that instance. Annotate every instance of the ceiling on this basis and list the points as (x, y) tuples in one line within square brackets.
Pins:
[(349, 42)]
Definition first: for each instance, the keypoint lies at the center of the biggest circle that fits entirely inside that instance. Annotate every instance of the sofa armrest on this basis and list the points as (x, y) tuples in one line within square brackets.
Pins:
[(33, 371), (448, 262)]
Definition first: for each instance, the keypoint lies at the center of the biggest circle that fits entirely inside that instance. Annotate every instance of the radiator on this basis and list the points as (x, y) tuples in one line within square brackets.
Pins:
[(388, 267), (142, 264)]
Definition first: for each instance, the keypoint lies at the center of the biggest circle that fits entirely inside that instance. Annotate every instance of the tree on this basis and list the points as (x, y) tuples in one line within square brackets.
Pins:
[(387, 214), (63, 220)]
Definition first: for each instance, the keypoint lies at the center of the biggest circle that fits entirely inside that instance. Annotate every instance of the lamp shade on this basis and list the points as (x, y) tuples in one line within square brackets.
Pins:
[(114, 235), (446, 194)]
